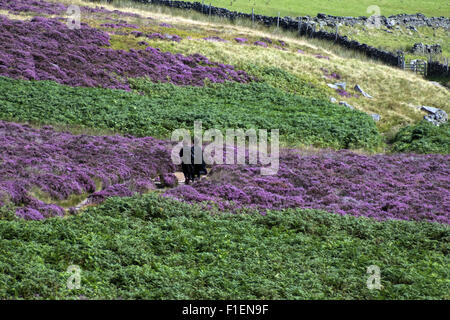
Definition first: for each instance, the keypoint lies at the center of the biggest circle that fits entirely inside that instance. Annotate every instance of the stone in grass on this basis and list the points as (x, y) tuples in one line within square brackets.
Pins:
[(375, 117), (345, 104), (332, 86), (341, 85), (428, 109), (436, 116), (420, 48), (336, 86), (365, 94), (333, 100)]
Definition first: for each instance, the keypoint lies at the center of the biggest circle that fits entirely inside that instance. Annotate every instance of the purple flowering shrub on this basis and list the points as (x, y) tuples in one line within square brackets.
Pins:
[(44, 7), (102, 10), (404, 186), (319, 56), (170, 37), (214, 39), (45, 49), (332, 75), (165, 25), (279, 48), (266, 40), (60, 164), (261, 44), (168, 180), (343, 93), (119, 25), (241, 40), (34, 6)]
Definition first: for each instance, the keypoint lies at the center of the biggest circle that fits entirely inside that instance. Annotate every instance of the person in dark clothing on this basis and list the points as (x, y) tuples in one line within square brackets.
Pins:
[(192, 170), (188, 168), (199, 168)]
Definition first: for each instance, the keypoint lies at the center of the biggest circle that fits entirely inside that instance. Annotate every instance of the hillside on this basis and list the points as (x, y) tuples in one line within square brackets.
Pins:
[(88, 178)]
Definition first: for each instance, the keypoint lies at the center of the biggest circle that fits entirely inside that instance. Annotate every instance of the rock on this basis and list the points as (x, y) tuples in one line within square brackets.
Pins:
[(332, 86), (365, 94), (333, 100), (375, 117), (435, 115), (345, 104), (420, 48), (341, 85), (338, 85), (428, 109), (437, 84)]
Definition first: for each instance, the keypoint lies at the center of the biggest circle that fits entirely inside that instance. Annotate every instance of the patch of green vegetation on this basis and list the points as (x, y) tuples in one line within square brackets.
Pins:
[(72, 201), (149, 247), (423, 138), (281, 79), (162, 108)]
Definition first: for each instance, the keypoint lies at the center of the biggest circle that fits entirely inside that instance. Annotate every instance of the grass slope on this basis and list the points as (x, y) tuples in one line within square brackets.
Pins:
[(154, 248)]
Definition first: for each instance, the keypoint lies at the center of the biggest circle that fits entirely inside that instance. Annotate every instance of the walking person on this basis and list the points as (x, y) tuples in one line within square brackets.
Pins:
[(187, 165), (200, 165)]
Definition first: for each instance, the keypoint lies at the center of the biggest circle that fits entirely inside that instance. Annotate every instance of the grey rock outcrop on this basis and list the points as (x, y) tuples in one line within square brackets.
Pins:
[(435, 115), (338, 85), (345, 104), (365, 94), (420, 48), (375, 117)]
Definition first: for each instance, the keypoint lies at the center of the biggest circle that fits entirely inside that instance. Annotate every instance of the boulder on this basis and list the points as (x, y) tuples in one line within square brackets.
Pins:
[(341, 85), (332, 86), (375, 117), (420, 48), (435, 115), (428, 109), (338, 85), (365, 94), (345, 104)]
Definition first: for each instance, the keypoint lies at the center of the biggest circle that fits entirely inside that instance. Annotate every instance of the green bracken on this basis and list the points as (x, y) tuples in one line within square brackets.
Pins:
[(162, 108), (148, 247), (423, 138)]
